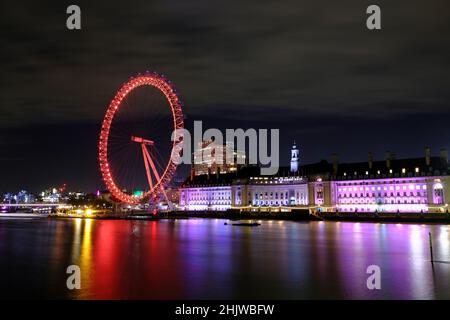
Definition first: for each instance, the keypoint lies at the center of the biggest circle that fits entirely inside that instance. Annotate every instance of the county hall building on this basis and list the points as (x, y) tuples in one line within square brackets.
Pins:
[(391, 185)]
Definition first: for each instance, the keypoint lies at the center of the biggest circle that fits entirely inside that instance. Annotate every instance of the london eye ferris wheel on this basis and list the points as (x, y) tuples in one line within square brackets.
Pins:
[(138, 138)]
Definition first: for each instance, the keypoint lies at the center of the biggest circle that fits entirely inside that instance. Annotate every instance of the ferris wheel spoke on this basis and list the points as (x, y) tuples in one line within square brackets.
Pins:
[(132, 174), (157, 154), (118, 132), (123, 152), (158, 122)]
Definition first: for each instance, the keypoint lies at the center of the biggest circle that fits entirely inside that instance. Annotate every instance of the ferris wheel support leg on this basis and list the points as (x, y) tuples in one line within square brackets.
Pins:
[(146, 161), (158, 179), (116, 208)]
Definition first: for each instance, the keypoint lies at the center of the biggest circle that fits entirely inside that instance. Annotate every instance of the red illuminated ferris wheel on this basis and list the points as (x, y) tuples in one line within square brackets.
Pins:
[(134, 131)]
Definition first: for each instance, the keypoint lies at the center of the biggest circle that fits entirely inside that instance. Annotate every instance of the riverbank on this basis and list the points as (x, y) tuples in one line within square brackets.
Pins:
[(302, 215), (441, 218), (176, 215), (22, 215)]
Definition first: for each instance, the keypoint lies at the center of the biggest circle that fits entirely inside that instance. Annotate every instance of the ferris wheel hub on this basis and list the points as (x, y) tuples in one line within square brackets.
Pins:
[(142, 140)]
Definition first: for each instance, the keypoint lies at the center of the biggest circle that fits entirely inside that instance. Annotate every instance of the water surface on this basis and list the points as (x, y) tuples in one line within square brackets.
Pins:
[(205, 259)]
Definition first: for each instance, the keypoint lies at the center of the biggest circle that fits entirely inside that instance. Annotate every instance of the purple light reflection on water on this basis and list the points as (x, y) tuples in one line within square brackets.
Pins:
[(205, 259), (400, 251)]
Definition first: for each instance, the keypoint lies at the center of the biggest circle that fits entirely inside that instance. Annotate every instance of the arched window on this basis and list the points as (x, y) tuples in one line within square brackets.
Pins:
[(438, 193)]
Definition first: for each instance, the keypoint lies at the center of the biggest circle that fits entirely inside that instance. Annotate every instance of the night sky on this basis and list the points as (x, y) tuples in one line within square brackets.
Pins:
[(309, 68)]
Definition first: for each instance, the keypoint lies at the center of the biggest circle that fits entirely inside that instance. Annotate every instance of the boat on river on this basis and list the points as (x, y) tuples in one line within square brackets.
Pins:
[(244, 224)]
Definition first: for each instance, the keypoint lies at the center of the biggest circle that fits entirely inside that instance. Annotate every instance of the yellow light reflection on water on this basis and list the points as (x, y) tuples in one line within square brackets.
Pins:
[(82, 251), (76, 240), (86, 250)]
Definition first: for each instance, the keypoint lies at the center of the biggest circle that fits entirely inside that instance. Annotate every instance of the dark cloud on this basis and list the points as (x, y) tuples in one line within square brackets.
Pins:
[(304, 55)]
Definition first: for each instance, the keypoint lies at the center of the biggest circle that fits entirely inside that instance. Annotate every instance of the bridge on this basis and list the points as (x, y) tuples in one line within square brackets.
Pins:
[(31, 205)]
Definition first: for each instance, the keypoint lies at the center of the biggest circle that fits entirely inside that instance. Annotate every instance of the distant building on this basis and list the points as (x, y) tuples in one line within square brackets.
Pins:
[(104, 195), (51, 195), (76, 195), (9, 198), (211, 158), (22, 196), (391, 185)]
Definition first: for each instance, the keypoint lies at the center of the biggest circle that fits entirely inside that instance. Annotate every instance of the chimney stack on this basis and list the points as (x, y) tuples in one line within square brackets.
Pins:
[(370, 160), (192, 166), (388, 159), (428, 156), (192, 172), (444, 156), (335, 160)]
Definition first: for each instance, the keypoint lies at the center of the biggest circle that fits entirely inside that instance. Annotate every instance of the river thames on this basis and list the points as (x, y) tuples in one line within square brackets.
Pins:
[(205, 259)]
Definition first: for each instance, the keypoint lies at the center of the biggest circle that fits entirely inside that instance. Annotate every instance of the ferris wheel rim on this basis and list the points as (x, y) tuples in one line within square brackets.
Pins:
[(165, 86)]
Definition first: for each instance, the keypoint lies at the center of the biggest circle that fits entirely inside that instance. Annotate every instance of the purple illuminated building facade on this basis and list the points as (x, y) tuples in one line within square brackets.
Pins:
[(391, 185), (378, 195)]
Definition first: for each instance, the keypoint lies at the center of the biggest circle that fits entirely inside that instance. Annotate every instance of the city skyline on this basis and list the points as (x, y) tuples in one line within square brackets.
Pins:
[(35, 180), (283, 166)]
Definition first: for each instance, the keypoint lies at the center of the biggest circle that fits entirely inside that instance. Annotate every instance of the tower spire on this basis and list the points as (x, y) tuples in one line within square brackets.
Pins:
[(295, 159)]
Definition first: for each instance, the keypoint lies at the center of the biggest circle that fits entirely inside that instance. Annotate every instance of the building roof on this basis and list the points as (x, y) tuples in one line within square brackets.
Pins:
[(345, 171), (222, 178), (378, 169)]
